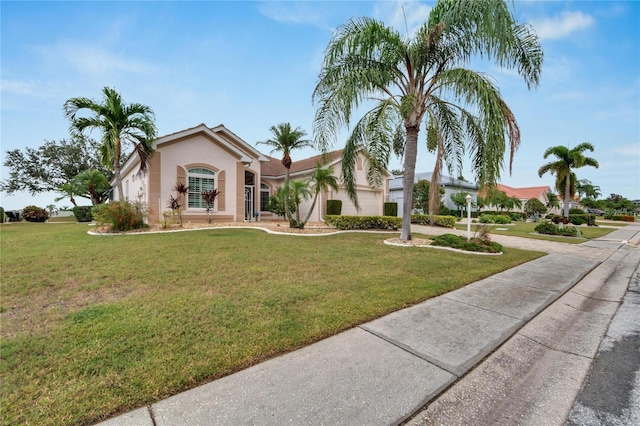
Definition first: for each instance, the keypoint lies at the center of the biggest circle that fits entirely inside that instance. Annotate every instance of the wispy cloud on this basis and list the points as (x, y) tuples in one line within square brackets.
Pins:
[(563, 25), (304, 13), (632, 150), (404, 16)]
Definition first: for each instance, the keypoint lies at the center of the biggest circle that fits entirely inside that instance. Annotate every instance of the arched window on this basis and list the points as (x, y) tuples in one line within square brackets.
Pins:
[(265, 193), (200, 180)]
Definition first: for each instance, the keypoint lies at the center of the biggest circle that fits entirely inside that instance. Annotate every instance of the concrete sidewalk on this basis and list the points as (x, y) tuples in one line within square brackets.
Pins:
[(387, 370)]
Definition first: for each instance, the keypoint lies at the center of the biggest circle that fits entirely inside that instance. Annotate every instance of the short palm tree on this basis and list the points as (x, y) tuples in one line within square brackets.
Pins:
[(552, 202), (119, 123), (320, 181), (299, 191), (562, 168), (285, 139), (421, 81)]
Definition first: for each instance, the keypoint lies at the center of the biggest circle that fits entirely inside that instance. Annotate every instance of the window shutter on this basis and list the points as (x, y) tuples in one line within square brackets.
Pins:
[(222, 190)]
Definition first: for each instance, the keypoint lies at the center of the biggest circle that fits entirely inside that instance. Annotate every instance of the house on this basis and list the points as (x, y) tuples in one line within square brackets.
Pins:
[(205, 158), (526, 193), (450, 185)]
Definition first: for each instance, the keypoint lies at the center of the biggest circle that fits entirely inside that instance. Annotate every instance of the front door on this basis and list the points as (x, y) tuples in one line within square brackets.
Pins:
[(248, 202)]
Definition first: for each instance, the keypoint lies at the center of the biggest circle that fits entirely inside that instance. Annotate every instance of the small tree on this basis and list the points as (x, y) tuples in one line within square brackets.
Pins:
[(533, 206), (209, 198), (460, 200), (176, 203), (421, 195), (321, 180)]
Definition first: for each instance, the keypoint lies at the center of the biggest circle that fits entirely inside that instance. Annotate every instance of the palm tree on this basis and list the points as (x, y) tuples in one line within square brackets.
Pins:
[(120, 123), (568, 159), (320, 181), (422, 79), (552, 202), (587, 189), (286, 140), (298, 192)]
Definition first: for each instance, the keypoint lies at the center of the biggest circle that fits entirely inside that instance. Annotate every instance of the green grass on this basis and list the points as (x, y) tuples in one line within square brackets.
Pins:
[(526, 230), (92, 326)]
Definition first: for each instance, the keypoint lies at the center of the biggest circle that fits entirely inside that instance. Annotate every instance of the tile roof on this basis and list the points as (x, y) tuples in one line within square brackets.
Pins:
[(525, 193), (274, 167)]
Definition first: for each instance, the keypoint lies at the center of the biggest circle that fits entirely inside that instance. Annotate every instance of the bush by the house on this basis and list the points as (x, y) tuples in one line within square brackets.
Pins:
[(578, 219), (438, 220), (549, 228), (121, 216), (495, 218), (517, 216), (461, 243), (364, 222), (83, 213), (391, 209), (35, 214), (334, 207), (576, 211), (534, 206), (626, 218)]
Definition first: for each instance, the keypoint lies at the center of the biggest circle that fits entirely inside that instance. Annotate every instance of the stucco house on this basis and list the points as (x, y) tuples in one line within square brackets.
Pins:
[(451, 186), (524, 194), (205, 158)]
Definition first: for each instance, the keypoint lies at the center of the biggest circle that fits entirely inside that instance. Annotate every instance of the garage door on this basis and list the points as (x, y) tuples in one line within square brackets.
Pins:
[(370, 203)]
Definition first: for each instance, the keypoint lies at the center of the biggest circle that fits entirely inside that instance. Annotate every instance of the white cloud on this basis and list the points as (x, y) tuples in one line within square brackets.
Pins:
[(295, 13), (563, 25), (403, 16), (632, 150)]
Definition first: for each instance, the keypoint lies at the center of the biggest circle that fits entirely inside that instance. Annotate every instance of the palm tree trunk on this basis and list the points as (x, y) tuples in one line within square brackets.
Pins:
[(434, 185), (567, 196), (287, 211), (116, 170), (313, 206), (410, 154)]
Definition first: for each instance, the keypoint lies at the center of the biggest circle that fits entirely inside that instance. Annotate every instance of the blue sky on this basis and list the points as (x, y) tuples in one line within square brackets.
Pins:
[(250, 65)]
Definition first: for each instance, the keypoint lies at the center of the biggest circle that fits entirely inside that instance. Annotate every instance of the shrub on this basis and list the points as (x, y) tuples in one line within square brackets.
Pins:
[(122, 216), (626, 218), (578, 219), (549, 228), (364, 222), (334, 207), (425, 219), (83, 213), (576, 211), (1, 214), (517, 216), (446, 211), (495, 218), (391, 209), (35, 214), (461, 243)]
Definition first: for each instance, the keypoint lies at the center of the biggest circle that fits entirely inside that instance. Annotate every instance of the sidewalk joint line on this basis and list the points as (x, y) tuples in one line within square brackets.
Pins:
[(153, 419), (554, 349)]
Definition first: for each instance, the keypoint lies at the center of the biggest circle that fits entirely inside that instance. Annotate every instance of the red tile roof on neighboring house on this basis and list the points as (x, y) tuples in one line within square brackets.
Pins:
[(274, 166), (524, 193)]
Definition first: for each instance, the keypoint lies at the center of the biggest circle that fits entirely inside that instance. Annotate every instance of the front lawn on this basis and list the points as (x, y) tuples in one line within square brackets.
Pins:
[(526, 230), (92, 326)]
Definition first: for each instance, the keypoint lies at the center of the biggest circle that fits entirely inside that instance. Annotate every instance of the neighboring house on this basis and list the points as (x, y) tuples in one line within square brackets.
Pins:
[(526, 193), (450, 185), (205, 158)]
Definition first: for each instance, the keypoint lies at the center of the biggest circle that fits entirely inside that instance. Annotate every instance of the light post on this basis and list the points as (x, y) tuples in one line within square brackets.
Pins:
[(468, 198)]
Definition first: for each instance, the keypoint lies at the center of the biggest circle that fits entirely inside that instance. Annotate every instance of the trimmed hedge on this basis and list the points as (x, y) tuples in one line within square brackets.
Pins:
[(624, 217), (391, 209), (334, 207), (425, 219), (495, 218), (578, 219), (83, 213), (364, 222)]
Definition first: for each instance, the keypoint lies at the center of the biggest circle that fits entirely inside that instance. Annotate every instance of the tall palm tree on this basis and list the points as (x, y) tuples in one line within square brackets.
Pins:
[(420, 80), (120, 123), (562, 168), (285, 139), (588, 189), (320, 181)]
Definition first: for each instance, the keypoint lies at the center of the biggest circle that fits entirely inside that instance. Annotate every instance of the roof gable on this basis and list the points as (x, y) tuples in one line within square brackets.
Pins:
[(274, 168)]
